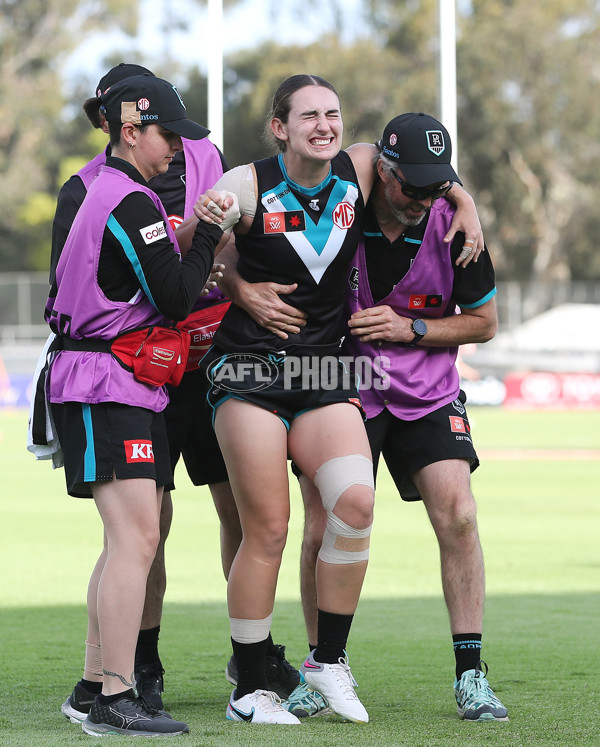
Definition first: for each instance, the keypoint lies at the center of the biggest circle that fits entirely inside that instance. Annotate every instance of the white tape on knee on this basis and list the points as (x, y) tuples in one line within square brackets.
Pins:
[(339, 474), (250, 631), (342, 544)]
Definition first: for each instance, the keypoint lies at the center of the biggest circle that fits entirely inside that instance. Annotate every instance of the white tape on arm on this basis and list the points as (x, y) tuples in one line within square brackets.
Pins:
[(240, 181)]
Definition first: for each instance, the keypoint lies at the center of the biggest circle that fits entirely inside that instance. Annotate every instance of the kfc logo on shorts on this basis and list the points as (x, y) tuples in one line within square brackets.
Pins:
[(343, 215), (153, 233), (138, 451), (143, 104)]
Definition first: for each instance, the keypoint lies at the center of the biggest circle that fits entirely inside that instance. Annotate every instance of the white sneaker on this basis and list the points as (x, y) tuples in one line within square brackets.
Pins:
[(259, 707), (336, 684)]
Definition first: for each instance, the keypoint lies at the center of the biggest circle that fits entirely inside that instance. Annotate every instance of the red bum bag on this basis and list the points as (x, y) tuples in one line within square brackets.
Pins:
[(201, 327)]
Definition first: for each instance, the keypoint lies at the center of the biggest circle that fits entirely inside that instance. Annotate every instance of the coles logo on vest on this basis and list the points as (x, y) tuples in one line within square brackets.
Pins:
[(138, 451), (343, 215), (153, 233)]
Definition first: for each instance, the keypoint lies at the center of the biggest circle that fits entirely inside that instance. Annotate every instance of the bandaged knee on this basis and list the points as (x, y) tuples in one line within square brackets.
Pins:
[(343, 544)]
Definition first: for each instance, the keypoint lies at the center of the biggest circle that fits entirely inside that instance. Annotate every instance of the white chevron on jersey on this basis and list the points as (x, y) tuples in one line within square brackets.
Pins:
[(315, 259)]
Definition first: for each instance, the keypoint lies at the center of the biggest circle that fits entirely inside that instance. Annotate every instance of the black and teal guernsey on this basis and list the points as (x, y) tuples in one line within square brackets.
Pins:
[(304, 236)]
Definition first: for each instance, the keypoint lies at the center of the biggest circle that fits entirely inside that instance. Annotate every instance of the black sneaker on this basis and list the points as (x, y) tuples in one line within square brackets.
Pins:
[(282, 678), (77, 706), (131, 716), (150, 684)]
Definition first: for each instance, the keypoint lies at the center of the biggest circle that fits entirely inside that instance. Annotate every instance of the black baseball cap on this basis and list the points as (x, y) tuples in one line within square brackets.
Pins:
[(422, 148), (117, 74), (146, 99)]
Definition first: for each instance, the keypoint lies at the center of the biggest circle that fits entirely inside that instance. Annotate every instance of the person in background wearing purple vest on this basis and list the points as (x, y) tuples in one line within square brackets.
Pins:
[(410, 304), (120, 270), (194, 169)]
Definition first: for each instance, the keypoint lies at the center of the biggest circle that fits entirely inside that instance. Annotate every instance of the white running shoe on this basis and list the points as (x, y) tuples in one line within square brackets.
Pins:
[(259, 707), (336, 684)]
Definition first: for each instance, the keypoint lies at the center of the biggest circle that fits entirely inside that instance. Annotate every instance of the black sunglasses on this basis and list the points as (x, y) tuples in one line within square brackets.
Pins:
[(421, 193)]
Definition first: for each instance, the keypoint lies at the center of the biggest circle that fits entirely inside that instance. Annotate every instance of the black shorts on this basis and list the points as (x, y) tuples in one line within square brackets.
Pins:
[(110, 438), (410, 445), (190, 431), (287, 386)]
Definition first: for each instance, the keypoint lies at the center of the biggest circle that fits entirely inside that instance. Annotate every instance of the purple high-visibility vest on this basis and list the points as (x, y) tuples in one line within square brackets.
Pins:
[(81, 310), (409, 381)]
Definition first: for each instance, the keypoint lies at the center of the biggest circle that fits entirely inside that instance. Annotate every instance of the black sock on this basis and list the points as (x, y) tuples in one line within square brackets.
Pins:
[(92, 687), (250, 661), (467, 650), (108, 699), (271, 647), (146, 650), (334, 630)]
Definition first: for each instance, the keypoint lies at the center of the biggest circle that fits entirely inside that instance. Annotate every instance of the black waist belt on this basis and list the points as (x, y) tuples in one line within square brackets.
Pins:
[(88, 344)]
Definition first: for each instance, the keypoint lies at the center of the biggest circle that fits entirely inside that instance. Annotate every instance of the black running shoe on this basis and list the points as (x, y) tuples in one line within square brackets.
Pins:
[(131, 716), (150, 684), (77, 706), (282, 678)]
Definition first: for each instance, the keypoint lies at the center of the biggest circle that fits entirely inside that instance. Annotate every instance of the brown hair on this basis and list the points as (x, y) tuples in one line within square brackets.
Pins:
[(281, 103)]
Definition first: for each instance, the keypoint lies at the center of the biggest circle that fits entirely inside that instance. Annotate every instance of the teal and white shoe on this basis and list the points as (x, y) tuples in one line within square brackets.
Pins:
[(304, 702), (475, 698)]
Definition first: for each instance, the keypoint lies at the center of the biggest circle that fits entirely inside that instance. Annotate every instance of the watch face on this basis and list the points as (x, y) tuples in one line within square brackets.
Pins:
[(419, 327)]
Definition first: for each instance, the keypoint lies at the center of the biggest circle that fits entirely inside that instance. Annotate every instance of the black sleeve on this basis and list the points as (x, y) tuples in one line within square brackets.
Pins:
[(70, 197), (137, 253), (474, 284)]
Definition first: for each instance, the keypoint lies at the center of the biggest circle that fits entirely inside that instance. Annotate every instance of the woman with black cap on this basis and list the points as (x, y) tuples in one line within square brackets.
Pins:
[(121, 270)]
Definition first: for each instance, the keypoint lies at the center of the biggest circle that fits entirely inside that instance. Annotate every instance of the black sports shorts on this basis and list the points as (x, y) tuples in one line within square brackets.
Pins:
[(99, 440), (190, 431), (409, 445), (285, 385)]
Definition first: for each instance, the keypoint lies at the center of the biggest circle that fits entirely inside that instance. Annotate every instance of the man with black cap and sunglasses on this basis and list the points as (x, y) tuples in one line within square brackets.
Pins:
[(411, 303)]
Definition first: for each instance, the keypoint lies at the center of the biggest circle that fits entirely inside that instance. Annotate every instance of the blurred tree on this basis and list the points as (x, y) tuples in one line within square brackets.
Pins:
[(35, 37), (529, 117)]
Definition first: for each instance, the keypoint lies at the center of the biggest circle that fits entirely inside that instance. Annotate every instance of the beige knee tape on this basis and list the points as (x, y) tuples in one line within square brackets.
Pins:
[(339, 474), (342, 544)]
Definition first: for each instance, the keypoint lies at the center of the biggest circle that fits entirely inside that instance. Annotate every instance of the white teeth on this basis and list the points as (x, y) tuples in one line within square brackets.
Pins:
[(322, 142)]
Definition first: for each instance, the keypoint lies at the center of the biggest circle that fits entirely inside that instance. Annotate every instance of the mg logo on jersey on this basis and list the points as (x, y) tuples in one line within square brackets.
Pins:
[(138, 451), (343, 215), (435, 142)]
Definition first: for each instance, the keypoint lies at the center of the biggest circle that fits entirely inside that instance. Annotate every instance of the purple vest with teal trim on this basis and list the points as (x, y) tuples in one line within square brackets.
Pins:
[(409, 381), (81, 310)]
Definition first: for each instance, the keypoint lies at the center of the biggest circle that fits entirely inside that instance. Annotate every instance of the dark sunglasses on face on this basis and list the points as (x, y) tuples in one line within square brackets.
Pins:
[(421, 193)]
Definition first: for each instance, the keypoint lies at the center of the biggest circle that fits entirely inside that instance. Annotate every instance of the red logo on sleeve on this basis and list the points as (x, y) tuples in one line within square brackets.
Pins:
[(138, 451)]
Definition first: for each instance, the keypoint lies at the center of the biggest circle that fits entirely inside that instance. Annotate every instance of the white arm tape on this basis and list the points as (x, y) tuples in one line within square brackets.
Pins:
[(240, 181)]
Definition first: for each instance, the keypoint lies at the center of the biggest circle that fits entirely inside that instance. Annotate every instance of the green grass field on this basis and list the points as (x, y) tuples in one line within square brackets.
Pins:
[(538, 492)]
